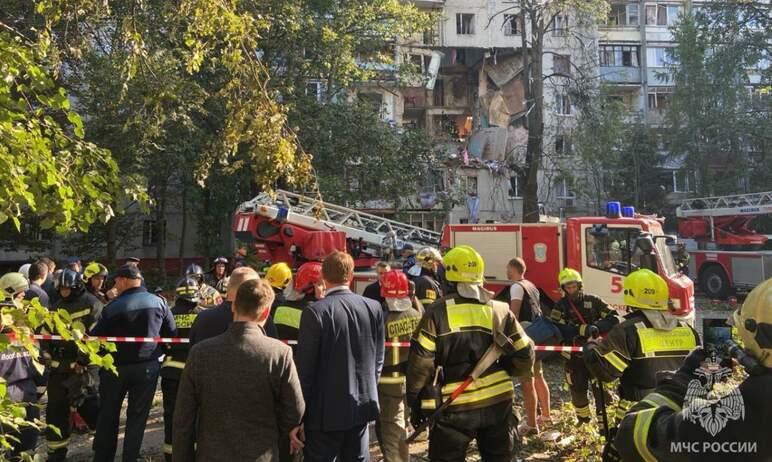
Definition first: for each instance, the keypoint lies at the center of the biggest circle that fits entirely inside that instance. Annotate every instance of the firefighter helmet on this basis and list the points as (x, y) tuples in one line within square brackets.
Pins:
[(753, 322), (427, 257), (94, 269), (569, 275), (308, 275), (24, 270), (220, 260), (188, 289), (70, 279), (645, 289), (279, 275), (194, 270), (394, 285), (464, 264), (13, 284)]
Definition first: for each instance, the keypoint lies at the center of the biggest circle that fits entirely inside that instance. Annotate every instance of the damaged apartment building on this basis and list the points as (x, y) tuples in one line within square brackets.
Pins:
[(472, 105)]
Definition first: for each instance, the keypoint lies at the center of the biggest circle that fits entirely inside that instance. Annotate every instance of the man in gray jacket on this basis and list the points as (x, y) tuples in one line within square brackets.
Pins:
[(239, 391)]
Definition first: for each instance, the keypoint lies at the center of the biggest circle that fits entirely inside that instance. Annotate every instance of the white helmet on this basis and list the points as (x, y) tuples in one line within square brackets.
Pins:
[(427, 256), (24, 270)]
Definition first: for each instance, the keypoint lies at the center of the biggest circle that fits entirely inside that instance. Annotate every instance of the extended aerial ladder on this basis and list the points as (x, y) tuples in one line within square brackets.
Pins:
[(261, 217), (724, 219)]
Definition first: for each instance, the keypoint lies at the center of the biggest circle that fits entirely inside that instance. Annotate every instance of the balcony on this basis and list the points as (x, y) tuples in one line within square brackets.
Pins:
[(429, 3), (659, 76), (620, 74)]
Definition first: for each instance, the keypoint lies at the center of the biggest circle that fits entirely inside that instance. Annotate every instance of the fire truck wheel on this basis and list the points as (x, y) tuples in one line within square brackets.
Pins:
[(714, 282)]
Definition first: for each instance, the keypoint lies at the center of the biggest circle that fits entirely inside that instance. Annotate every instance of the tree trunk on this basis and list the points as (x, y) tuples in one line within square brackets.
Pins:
[(183, 226), (160, 221), (533, 154)]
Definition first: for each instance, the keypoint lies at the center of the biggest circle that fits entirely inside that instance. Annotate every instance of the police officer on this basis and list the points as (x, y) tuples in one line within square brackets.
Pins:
[(72, 385), (649, 340), (184, 311), (427, 283), (279, 276), (94, 274), (401, 323), (209, 297), (18, 371), (678, 409), (580, 316), (454, 333), (306, 288)]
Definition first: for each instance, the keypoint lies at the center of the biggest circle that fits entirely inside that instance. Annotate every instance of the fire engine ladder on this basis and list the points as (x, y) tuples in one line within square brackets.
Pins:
[(719, 206), (314, 214)]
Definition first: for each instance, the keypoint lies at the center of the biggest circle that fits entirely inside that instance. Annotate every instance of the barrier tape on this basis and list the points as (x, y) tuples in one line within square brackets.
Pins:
[(567, 349)]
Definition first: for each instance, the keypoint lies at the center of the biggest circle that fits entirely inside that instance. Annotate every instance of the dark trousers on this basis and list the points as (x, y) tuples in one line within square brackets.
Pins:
[(65, 394), (578, 378), (169, 390), (24, 391), (343, 446), (494, 428), (139, 382)]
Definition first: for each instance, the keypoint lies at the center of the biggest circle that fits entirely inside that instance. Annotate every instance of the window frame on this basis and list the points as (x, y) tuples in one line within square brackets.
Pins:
[(631, 234), (563, 104), (511, 25), (461, 21), (566, 59), (618, 51)]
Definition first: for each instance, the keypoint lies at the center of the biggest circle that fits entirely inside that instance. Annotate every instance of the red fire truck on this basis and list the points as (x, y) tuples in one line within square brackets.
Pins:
[(727, 254), (603, 249)]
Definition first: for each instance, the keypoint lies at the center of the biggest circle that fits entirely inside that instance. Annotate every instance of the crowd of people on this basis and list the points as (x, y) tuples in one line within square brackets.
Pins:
[(296, 363)]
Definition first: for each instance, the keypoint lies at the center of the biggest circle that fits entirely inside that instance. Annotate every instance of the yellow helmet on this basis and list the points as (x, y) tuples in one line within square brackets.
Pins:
[(754, 323), (464, 264), (279, 275), (646, 289), (94, 269), (567, 275), (13, 284)]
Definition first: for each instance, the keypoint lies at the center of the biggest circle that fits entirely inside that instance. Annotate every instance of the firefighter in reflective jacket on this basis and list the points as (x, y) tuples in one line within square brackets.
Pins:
[(454, 333), (209, 297), (401, 322), (306, 288), (649, 340), (18, 371), (185, 310), (580, 316), (680, 422), (279, 276), (428, 288), (72, 384)]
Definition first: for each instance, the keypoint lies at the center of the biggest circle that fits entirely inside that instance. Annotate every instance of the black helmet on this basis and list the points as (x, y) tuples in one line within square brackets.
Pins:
[(222, 260), (188, 289), (70, 279), (194, 270)]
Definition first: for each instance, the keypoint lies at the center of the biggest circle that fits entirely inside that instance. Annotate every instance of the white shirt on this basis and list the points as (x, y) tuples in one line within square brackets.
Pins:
[(516, 292)]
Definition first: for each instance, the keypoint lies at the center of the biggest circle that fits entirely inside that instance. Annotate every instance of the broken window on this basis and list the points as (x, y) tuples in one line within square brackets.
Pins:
[(619, 55), (623, 15), (562, 104), (561, 64), (510, 24), (464, 24)]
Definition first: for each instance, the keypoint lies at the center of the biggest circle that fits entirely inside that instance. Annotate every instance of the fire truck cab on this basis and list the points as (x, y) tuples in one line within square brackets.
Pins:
[(603, 249)]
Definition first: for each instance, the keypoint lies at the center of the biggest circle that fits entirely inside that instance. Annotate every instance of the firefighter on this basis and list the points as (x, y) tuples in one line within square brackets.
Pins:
[(306, 288), (209, 297), (94, 274), (454, 333), (184, 311), (18, 371), (72, 384), (218, 277), (427, 285), (649, 340), (679, 410), (279, 276), (580, 316), (401, 322)]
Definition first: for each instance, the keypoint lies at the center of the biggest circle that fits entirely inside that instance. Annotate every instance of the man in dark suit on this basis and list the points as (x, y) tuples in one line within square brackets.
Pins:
[(373, 291), (239, 391), (339, 359)]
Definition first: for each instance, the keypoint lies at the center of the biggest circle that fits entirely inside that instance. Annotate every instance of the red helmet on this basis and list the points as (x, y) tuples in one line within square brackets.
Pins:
[(394, 285), (308, 274)]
